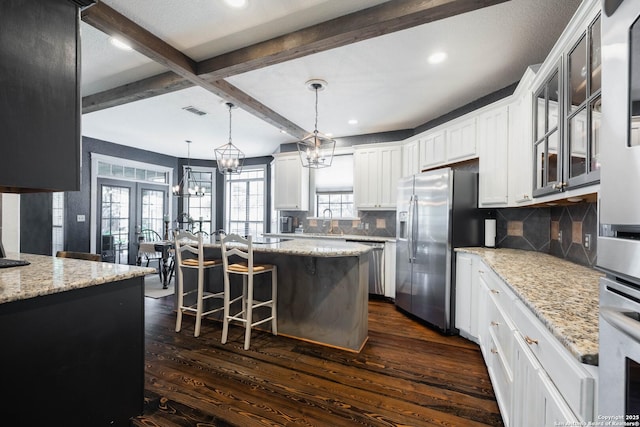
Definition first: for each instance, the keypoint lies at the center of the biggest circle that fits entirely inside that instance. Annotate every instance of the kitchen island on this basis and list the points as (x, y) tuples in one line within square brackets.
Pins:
[(72, 342), (322, 288)]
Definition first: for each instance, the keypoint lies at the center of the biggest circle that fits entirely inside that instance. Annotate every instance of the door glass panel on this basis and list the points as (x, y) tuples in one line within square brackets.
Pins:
[(552, 109), (115, 223), (152, 217), (540, 164), (596, 113), (552, 169), (541, 114), (594, 52), (578, 144), (578, 75)]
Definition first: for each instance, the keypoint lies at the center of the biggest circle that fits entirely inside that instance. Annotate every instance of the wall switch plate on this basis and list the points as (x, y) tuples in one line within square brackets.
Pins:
[(80, 218), (587, 241)]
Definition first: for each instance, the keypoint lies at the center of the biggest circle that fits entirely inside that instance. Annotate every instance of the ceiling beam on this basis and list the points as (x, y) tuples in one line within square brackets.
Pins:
[(142, 89), (394, 15), (113, 23), (385, 18)]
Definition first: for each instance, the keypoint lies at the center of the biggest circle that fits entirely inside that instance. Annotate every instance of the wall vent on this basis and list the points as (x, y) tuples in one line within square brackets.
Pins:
[(194, 110)]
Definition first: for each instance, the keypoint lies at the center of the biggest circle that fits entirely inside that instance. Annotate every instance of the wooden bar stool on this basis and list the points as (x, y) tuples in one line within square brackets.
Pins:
[(187, 243), (244, 249)]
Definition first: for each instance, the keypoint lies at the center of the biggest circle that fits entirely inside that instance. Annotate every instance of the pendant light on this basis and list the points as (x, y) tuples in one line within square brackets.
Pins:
[(228, 156), (188, 186), (316, 149)]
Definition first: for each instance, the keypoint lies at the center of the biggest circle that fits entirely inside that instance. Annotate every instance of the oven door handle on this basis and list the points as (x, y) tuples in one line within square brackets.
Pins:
[(619, 320)]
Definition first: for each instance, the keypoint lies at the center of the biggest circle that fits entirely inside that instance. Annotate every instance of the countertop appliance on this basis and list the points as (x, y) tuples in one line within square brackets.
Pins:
[(286, 224), (619, 236), (437, 212)]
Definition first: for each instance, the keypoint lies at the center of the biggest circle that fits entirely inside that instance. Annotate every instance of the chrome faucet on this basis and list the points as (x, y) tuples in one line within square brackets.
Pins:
[(330, 219)]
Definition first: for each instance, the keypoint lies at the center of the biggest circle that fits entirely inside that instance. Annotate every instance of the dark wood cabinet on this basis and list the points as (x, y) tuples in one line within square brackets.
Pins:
[(39, 96), (74, 358)]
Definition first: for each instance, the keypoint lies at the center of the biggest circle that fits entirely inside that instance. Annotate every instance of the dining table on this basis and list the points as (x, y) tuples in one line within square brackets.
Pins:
[(164, 247)]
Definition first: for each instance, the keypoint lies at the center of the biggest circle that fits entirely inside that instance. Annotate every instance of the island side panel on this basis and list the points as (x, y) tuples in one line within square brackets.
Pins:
[(322, 299), (74, 358)]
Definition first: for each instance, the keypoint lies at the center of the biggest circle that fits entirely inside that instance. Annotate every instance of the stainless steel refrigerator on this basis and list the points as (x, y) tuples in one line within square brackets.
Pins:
[(437, 212)]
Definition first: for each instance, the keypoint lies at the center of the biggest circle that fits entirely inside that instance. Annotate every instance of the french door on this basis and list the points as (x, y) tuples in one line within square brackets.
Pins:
[(124, 210)]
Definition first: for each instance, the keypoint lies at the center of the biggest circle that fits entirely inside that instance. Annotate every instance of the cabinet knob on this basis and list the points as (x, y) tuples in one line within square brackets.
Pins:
[(494, 351), (495, 291), (530, 340), (494, 323)]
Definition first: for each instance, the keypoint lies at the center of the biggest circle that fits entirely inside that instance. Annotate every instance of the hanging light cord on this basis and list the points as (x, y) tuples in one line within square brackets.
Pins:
[(230, 106), (315, 131)]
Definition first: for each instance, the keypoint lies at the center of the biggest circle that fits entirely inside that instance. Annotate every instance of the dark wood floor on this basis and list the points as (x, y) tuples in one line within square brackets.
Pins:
[(407, 375)]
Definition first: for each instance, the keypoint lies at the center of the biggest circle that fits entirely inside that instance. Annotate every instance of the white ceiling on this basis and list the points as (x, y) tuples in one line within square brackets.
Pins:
[(386, 83)]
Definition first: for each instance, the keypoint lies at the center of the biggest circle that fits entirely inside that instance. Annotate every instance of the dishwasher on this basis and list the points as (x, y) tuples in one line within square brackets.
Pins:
[(376, 266)]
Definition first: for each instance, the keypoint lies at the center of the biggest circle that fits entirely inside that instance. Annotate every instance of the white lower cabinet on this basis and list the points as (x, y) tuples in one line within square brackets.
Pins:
[(537, 382)]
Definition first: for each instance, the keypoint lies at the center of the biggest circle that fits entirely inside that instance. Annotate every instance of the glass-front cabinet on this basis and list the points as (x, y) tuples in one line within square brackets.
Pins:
[(567, 108)]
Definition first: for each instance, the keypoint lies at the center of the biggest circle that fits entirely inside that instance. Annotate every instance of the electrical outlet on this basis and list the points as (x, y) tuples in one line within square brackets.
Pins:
[(560, 236), (587, 241)]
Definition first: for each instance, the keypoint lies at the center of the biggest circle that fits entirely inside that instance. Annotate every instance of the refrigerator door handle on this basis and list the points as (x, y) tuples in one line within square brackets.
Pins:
[(410, 230), (414, 227)]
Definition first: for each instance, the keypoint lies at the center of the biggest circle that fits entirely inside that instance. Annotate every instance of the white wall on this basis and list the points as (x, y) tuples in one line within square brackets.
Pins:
[(10, 222)]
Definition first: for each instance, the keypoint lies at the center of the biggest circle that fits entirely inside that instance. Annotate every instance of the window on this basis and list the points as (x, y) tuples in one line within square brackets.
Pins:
[(58, 223), (246, 201), (200, 209), (334, 188)]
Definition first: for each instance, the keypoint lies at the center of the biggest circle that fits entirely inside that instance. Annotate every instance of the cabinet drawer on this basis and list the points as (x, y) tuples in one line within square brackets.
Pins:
[(500, 292), (501, 330), (572, 381), (501, 377)]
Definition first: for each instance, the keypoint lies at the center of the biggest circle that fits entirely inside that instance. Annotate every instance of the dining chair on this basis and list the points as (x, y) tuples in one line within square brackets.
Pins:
[(148, 235), (189, 252), (233, 246)]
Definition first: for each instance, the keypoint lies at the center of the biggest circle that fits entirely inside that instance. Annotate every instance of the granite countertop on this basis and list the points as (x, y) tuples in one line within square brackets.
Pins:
[(307, 247), (49, 275), (563, 295), (350, 237)]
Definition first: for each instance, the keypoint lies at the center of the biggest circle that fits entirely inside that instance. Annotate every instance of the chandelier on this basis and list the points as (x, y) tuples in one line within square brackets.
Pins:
[(188, 186), (228, 156), (316, 149)]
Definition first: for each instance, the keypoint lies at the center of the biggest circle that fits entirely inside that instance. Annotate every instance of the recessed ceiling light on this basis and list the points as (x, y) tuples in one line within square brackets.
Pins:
[(437, 58), (353, 122), (120, 44), (236, 3)]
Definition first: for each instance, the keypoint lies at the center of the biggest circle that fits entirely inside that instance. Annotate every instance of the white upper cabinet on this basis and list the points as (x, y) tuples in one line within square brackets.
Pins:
[(433, 149), (461, 140), (411, 158), (377, 169), (520, 175), (291, 182), (493, 138), (450, 144)]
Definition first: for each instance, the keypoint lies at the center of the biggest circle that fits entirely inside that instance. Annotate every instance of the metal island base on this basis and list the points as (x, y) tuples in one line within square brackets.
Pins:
[(322, 288)]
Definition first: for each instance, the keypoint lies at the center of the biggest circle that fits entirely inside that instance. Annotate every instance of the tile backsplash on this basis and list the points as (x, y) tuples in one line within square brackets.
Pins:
[(560, 231), (568, 232), (370, 223)]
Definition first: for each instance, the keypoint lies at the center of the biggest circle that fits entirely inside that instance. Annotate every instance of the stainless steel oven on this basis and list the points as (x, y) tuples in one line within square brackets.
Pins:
[(619, 210), (619, 373)]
